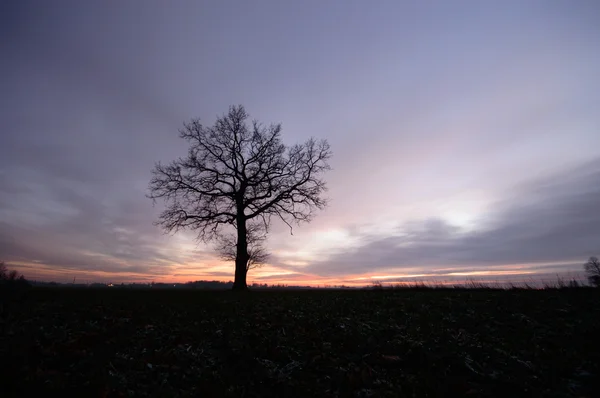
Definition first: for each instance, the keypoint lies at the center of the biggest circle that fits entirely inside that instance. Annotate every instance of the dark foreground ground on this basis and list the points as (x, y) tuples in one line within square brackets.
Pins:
[(308, 343)]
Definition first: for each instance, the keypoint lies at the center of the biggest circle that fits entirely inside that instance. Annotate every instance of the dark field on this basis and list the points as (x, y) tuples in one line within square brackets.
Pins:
[(302, 343)]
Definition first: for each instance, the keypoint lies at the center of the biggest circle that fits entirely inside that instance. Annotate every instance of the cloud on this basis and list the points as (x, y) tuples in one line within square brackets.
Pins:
[(546, 220), (280, 276), (204, 276), (65, 227)]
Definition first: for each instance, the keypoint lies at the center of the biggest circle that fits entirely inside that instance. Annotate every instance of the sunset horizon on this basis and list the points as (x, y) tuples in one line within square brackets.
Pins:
[(511, 275)]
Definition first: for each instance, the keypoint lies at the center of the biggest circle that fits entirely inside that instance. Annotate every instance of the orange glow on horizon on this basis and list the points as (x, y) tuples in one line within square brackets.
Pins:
[(270, 274)]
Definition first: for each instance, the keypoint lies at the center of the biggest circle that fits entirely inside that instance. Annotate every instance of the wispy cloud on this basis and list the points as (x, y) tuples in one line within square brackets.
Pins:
[(550, 219)]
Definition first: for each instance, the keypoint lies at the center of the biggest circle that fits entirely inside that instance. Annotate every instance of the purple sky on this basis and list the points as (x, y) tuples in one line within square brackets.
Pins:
[(466, 134)]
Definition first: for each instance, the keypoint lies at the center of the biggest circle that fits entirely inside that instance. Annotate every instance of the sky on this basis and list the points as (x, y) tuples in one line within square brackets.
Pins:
[(465, 134)]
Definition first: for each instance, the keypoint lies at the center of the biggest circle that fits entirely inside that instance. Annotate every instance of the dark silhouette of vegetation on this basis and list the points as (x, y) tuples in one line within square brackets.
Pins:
[(13, 288), (11, 279), (592, 270), (237, 176), (472, 285)]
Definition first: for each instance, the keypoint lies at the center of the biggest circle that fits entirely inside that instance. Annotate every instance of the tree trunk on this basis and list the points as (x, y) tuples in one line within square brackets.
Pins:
[(241, 257), (240, 276)]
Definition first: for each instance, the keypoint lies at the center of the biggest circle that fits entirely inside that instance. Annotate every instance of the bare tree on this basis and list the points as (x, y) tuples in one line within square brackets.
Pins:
[(592, 269), (239, 174)]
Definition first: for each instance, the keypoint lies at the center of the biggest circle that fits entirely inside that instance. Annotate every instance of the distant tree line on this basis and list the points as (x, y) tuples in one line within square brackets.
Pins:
[(202, 284)]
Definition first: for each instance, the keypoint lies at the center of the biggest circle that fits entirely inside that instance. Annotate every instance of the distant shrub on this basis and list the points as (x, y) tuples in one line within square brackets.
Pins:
[(423, 285), (592, 270), (11, 279), (573, 283), (562, 283)]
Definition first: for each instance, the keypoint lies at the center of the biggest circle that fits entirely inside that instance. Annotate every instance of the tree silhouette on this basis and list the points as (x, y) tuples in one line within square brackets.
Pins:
[(239, 174), (592, 269)]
